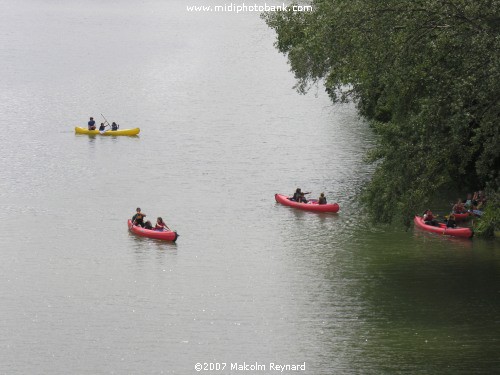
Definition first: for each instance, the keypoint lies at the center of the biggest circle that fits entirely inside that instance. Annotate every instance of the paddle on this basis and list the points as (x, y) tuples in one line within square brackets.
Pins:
[(107, 122), (105, 119)]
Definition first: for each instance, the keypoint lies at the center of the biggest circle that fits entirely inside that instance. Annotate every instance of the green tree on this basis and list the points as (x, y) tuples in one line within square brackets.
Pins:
[(426, 73)]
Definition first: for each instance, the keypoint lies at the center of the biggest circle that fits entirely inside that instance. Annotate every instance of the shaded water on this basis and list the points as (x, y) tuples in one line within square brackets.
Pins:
[(221, 132)]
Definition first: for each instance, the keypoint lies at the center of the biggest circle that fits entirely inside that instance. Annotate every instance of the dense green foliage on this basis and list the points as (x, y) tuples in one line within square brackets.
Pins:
[(426, 73), (490, 220)]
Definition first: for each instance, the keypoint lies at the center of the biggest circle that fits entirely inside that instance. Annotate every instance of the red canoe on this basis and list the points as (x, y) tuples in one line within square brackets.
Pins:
[(166, 235), (462, 216), (441, 229), (310, 206)]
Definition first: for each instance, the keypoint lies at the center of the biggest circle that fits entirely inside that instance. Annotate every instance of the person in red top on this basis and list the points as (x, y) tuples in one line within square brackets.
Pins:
[(429, 218), (160, 225), (458, 207)]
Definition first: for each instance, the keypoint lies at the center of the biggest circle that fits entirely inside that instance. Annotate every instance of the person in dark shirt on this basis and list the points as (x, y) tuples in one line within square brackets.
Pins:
[(302, 198), (322, 199), (138, 218), (91, 124), (451, 222), (296, 195), (299, 196), (114, 126), (102, 127)]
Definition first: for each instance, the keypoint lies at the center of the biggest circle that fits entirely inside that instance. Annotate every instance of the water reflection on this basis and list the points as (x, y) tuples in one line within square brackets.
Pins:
[(420, 300), (432, 239)]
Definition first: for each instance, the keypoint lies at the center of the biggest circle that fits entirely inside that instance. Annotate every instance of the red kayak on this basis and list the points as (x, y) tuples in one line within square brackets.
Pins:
[(441, 229), (166, 235), (312, 205), (462, 216)]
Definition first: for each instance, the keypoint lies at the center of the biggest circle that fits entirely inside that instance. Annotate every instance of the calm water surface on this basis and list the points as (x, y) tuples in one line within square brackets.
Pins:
[(222, 131)]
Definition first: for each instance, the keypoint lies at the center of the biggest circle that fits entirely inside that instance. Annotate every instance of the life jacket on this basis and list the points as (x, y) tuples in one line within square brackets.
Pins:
[(138, 217)]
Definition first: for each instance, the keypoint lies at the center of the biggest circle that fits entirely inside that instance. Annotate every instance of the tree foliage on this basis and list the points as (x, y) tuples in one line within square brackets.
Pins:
[(426, 73)]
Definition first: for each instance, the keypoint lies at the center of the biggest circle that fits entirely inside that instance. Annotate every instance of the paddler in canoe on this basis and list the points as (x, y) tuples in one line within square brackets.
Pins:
[(458, 208), (114, 127), (322, 199), (160, 225), (91, 124), (451, 222), (429, 218), (138, 218), (299, 196)]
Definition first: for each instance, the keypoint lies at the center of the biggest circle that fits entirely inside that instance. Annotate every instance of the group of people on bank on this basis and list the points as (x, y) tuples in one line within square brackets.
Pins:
[(473, 205), (138, 220), (300, 197), (103, 126)]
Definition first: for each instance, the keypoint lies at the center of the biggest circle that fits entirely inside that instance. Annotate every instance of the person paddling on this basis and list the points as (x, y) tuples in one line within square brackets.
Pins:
[(102, 127), (160, 225), (298, 196), (138, 218), (429, 218), (302, 198)]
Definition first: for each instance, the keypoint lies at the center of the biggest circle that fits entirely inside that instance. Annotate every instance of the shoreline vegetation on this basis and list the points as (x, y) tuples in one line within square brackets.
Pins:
[(426, 76)]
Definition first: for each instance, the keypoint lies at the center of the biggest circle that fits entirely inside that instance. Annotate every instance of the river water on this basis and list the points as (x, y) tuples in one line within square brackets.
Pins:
[(248, 281)]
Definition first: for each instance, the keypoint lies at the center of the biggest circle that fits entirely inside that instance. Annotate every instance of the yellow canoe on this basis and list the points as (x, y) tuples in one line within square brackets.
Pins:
[(134, 131)]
